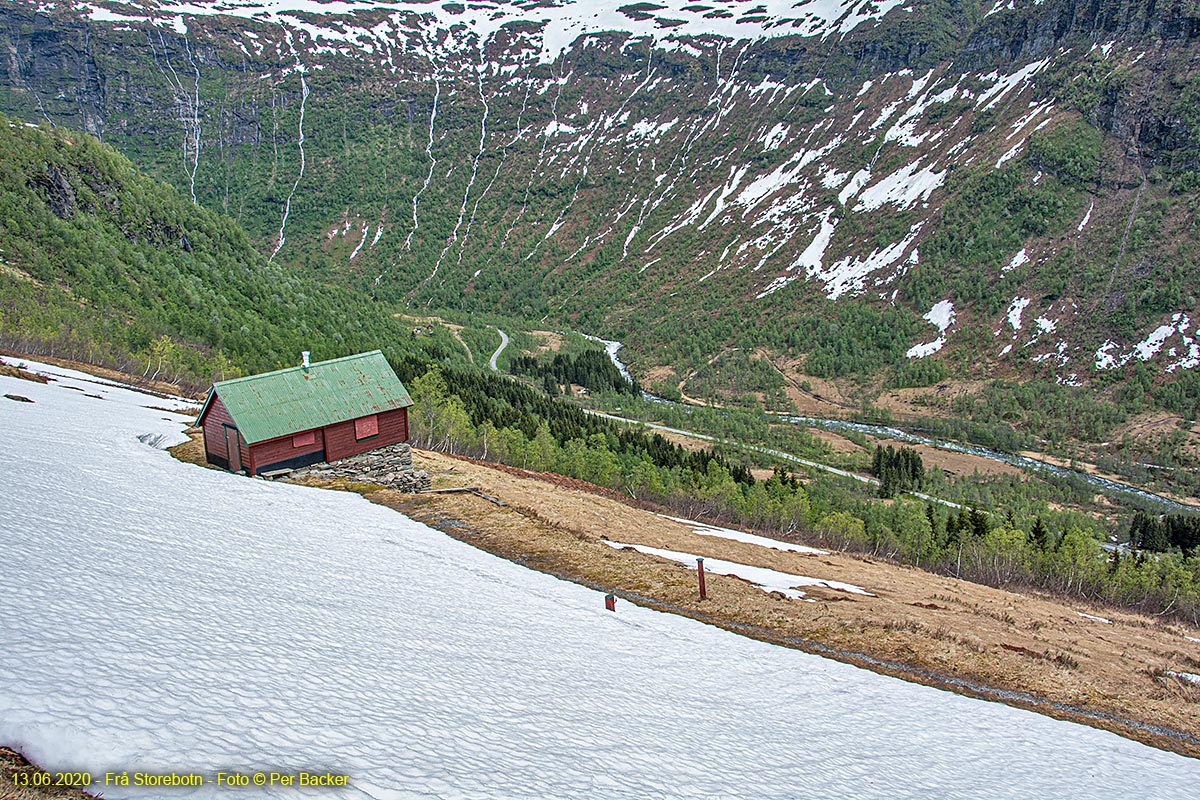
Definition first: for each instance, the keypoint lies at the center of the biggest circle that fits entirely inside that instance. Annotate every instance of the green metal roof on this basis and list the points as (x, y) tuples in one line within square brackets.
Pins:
[(296, 399)]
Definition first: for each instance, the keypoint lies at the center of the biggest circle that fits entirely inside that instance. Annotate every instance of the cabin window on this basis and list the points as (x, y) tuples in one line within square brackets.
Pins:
[(304, 439), (366, 427)]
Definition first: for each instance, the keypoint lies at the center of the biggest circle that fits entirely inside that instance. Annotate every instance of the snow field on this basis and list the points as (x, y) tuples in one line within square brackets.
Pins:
[(165, 617), (1187, 352)]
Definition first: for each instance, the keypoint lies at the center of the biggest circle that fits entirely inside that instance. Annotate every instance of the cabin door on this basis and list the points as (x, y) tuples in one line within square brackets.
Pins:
[(233, 449)]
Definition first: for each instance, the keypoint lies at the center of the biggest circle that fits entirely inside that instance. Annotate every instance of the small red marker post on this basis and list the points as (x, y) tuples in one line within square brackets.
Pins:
[(610, 602), (700, 575)]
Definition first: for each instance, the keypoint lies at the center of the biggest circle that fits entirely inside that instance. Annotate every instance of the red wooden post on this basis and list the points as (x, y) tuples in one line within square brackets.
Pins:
[(700, 575), (610, 602)]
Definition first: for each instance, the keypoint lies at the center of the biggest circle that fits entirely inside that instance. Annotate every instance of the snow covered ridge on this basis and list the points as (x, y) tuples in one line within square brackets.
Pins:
[(561, 22), (295, 629)]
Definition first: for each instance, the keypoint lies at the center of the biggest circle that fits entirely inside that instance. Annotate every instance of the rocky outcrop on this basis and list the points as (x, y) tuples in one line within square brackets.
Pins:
[(391, 467)]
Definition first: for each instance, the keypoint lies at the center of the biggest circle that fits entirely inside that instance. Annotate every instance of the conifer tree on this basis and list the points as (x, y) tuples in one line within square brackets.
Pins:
[(980, 524), (1149, 532), (1039, 535), (933, 521)]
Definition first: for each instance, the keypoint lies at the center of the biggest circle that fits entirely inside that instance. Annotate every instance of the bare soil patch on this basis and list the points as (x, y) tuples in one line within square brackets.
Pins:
[(839, 443), (821, 399), (548, 341), (657, 375), (949, 461), (927, 401), (959, 463), (424, 319), (192, 451), (811, 395), (686, 442)]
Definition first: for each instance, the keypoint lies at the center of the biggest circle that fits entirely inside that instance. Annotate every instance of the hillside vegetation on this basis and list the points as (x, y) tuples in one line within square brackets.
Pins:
[(101, 262), (816, 185), (104, 262)]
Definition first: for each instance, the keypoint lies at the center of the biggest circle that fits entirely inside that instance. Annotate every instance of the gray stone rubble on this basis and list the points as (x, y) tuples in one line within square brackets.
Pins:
[(390, 466)]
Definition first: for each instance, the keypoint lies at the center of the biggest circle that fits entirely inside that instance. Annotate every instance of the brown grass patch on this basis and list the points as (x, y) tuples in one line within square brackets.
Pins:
[(690, 443), (11, 371), (962, 463), (657, 374), (548, 341), (839, 443), (927, 401), (192, 451)]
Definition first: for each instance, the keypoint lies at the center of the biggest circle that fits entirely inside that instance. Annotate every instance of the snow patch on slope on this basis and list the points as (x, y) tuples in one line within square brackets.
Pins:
[(645, 129), (1014, 312), (775, 137), (704, 529), (769, 580), (1020, 258), (812, 256), (1086, 217), (856, 183), (942, 317), (1006, 83), (902, 188), (1111, 355), (849, 274)]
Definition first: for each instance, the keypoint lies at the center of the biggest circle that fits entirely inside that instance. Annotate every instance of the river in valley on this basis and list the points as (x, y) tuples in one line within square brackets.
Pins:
[(1103, 485)]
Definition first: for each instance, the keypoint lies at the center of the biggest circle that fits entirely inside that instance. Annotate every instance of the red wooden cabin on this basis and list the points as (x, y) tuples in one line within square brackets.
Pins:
[(302, 415)]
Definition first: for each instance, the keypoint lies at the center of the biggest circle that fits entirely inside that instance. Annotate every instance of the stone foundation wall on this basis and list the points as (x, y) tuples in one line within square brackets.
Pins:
[(390, 466)]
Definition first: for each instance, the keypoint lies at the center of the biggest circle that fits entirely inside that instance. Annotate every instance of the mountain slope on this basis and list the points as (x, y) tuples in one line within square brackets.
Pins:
[(1012, 182), (100, 259)]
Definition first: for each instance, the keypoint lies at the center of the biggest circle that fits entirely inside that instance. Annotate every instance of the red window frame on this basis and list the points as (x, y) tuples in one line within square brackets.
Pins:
[(366, 427)]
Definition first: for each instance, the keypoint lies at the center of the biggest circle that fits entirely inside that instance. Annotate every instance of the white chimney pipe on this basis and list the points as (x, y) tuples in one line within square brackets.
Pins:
[(304, 359)]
